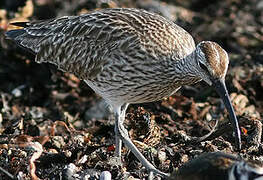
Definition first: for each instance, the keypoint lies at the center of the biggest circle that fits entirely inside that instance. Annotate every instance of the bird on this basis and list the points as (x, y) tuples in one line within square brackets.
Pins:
[(128, 56), (218, 166)]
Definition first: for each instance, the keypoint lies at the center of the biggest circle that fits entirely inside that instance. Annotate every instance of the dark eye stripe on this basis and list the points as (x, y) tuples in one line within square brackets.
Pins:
[(203, 67)]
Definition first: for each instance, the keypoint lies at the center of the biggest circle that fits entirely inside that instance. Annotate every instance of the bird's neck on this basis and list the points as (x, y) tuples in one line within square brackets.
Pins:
[(186, 70)]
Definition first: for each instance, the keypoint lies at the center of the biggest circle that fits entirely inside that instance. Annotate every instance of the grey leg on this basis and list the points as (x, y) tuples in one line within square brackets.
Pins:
[(118, 141), (124, 136)]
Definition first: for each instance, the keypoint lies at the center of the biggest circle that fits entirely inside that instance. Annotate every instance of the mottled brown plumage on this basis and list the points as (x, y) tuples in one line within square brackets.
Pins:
[(216, 58), (127, 56)]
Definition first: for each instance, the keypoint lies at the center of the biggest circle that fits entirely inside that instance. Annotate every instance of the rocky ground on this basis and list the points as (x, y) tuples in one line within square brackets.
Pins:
[(53, 125)]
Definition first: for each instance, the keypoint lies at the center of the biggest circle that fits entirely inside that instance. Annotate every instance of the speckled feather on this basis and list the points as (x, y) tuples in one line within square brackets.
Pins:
[(123, 54), (215, 57)]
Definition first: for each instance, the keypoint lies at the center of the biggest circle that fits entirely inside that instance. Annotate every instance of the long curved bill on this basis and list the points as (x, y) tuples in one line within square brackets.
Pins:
[(222, 91)]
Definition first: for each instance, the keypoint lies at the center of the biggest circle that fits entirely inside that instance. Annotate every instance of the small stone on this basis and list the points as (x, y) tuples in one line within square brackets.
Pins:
[(208, 117), (52, 150), (132, 178), (161, 155), (79, 139), (83, 159), (184, 136), (90, 174), (17, 91), (105, 175), (36, 112), (58, 141), (184, 158), (68, 153)]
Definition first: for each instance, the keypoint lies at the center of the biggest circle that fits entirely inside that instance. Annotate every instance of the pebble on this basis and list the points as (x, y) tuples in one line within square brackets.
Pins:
[(105, 175), (58, 141), (161, 155), (83, 159), (17, 92)]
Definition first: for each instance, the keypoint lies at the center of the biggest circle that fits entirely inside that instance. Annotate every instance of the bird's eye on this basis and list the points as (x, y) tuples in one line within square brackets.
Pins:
[(203, 67)]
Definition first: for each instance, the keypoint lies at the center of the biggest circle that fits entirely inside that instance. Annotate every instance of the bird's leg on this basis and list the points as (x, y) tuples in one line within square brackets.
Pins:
[(124, 136), (118, 141), (119, 119)]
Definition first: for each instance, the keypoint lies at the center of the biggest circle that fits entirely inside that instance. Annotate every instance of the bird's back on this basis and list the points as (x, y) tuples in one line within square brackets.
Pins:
[(107, 46)]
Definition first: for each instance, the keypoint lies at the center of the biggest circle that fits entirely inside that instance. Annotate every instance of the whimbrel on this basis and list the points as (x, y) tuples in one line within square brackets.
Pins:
[(128, 56)]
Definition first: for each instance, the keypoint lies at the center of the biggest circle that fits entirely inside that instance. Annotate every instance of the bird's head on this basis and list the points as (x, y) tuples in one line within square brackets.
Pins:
[(212, 63), (244, 170), (212, 60)]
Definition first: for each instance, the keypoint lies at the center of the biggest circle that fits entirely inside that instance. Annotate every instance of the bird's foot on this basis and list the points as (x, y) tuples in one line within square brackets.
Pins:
[(157, 172)]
